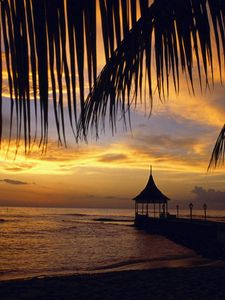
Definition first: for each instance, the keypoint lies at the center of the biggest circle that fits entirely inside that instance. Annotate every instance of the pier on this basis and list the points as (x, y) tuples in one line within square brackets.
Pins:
[(205, 237)]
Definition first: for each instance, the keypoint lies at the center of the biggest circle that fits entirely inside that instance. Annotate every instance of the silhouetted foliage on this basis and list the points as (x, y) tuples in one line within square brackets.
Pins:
[(218, 151), (45, 42)]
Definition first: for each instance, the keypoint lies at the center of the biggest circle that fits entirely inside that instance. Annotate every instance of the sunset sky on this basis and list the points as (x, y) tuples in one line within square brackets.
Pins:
[(177, 140)]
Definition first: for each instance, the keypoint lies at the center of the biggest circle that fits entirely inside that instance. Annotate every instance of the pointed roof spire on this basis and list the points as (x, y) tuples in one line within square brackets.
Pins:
[(151, 193)]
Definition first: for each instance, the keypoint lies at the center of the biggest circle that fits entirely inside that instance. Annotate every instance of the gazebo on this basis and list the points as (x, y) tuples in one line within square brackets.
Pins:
[(151, 195)]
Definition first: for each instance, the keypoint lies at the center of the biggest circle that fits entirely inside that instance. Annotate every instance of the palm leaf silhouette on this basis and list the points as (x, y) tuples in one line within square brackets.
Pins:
[(48, 43), (218, 151), (178, 36)]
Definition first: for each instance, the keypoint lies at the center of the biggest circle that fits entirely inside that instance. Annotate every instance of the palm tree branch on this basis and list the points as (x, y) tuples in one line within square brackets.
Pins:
[(49, 40), (217, 156), (181, 34)]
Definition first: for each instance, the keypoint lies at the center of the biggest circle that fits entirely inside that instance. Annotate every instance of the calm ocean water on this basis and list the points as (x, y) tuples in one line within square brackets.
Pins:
[(47, 241)]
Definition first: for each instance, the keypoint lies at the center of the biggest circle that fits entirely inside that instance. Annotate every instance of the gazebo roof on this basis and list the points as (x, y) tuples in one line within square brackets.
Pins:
[(151, 194)]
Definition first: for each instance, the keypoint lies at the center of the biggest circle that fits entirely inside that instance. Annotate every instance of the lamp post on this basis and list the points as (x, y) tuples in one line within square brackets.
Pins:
[(205, 208), (191, 207), (177, 207)]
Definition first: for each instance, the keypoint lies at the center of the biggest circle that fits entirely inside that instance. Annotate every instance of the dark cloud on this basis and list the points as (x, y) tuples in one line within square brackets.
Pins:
[(168, 138), (14, 182), (167, 147), (215, 198), (111, 157), (167, 141), (59, 158), (15, 169), (142, 125), (90, 196), (112, 198), (20, 167), (172, 135)]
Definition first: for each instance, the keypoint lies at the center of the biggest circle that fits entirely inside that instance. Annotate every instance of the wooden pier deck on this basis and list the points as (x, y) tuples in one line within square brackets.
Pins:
[(205, 237)]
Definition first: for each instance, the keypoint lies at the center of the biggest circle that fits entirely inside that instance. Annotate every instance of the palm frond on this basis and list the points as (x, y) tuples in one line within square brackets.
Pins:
[(34, 38), (178, 36), (218, 151), (49, 45)]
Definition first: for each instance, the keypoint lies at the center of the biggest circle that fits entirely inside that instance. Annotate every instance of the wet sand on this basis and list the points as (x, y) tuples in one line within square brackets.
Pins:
[(205, 282)]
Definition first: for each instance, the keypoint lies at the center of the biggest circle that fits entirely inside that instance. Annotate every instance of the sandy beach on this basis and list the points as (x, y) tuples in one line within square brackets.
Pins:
[(167, 283)]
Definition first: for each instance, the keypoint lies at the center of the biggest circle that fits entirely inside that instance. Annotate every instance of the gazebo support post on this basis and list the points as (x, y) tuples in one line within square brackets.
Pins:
[(166, 208), (142, 208), (147, 208), (154, 209)]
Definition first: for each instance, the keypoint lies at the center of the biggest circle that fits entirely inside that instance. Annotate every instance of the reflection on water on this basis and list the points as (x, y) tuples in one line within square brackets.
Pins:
[(46, 241)]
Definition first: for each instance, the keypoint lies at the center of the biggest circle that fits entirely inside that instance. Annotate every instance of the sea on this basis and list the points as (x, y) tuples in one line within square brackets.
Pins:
[(40, 242)]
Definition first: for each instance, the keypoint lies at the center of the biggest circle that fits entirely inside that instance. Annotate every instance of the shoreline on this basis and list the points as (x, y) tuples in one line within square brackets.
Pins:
[(203, 282), (187, 261)]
